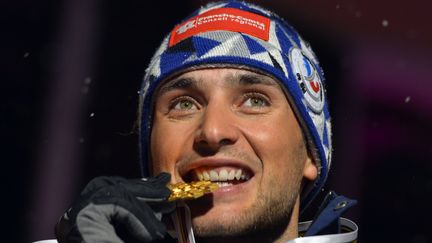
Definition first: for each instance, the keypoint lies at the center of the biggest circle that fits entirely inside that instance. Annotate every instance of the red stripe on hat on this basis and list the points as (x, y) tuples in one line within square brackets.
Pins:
[(229, 19)]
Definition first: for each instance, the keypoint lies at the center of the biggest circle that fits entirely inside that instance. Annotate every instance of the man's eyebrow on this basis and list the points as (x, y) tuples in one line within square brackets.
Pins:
[(251, 79), (242, 79), (181, 83)]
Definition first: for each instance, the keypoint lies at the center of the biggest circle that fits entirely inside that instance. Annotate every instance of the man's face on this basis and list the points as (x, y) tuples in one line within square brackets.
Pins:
[(235, 127)]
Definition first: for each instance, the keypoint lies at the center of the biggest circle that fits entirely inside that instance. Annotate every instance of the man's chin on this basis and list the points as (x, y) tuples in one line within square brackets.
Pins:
[(222, 225), (220, 220), (239, 227), (240, 219)]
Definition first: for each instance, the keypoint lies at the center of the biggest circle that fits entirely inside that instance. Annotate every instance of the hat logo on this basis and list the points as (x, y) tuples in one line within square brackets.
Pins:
[(222, 19), (308, 79)]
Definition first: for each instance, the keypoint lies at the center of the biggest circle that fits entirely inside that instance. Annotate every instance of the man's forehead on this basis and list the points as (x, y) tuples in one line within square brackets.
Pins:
[(229, 77)]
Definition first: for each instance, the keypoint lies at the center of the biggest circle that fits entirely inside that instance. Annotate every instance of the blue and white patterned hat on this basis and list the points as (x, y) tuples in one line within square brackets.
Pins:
[(232, 33)]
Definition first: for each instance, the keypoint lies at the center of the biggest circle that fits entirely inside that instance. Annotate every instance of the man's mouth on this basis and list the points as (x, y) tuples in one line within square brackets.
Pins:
[(225, 176)]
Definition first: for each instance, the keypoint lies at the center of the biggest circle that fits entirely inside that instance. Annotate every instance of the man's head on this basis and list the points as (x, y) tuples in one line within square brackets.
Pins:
[(221, 123), (234, 94)]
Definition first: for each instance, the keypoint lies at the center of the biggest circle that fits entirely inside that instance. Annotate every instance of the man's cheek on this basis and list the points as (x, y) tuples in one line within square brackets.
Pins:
[(158, 160), (163, 164), (164, 161)]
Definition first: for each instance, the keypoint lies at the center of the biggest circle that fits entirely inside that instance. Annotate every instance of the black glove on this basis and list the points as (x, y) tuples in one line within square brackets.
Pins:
[(114, 210)]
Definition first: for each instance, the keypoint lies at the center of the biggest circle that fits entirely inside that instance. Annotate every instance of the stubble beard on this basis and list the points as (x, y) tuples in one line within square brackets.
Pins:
[(265, 220)]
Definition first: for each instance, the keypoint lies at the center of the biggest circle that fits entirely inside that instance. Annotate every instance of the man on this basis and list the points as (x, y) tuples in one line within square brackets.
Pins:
[(234, 96)]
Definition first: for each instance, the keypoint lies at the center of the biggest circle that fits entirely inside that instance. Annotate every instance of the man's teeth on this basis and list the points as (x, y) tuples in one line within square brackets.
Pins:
[(222, 175)]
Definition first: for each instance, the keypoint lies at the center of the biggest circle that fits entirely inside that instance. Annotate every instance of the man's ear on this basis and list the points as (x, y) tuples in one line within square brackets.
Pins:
[(310, 170)]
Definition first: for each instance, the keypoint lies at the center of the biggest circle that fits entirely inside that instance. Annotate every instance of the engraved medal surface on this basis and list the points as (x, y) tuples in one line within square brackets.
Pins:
[(192, 190)]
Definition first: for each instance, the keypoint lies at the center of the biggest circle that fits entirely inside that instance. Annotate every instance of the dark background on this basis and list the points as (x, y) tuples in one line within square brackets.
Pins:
[(71, 70)]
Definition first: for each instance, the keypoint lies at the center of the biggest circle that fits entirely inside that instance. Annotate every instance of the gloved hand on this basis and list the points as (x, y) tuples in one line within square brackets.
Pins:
[(115, 209)]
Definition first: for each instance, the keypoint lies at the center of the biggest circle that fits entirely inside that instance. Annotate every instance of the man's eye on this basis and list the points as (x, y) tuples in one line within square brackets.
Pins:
[(183, 104), (256, 101)]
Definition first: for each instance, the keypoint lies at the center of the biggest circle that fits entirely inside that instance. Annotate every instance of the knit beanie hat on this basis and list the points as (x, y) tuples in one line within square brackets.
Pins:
[(232, 33)]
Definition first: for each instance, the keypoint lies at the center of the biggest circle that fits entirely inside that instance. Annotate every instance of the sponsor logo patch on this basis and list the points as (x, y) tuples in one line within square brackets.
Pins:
[(228, 19), (308, 80)]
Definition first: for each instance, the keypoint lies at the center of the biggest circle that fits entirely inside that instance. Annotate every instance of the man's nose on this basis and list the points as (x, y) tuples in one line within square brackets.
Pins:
[(217, 128)]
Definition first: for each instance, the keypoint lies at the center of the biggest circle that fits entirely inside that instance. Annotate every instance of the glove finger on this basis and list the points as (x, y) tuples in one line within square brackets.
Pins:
[(150, 194), (152, 189), (157, 202)]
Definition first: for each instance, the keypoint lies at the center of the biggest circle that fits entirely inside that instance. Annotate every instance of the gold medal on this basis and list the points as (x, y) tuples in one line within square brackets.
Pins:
[(192, 190)]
